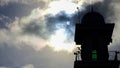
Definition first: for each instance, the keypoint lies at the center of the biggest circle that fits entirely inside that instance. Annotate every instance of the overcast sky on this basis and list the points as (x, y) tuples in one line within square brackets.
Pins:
[(40, 33)]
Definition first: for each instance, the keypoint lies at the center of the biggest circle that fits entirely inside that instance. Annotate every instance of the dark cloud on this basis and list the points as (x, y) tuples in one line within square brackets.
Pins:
[(4, 21), (52, 23), (60, 22), (32, 28), (17, 9), (13, 10), (60, 19)]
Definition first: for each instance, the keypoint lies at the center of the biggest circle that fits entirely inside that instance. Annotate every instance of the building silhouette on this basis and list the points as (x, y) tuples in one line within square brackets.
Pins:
[(94, 36)]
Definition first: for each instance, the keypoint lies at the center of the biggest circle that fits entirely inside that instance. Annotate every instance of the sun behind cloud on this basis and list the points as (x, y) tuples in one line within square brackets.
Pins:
[(58, 41)]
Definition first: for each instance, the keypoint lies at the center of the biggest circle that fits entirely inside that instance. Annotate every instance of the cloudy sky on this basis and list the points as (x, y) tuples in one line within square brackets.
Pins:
[(40, 33)]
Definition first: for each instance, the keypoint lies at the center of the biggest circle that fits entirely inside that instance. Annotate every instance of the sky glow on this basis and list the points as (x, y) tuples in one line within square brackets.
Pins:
[(40, 33)]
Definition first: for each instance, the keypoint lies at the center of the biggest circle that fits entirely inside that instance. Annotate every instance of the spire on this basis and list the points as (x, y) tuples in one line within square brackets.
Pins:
[(91, 7)]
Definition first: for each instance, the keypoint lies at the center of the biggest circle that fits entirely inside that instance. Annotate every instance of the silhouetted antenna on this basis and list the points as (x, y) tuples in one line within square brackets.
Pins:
[(91, 7), (78, 10)]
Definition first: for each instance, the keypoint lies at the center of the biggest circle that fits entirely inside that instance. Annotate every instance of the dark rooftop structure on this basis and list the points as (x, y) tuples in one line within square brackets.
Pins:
[(94, 36)]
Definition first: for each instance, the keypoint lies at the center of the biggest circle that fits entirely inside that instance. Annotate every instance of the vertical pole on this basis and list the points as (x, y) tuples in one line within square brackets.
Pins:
[(91, 7), (116, 58)]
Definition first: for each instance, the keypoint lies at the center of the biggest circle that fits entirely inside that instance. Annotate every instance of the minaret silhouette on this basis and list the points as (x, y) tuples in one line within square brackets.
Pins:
[(94, 36)]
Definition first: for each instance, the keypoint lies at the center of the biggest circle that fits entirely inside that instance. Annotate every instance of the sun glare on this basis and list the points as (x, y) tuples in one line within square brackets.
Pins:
[(58, 41), (58, 6)]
